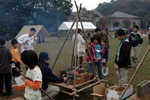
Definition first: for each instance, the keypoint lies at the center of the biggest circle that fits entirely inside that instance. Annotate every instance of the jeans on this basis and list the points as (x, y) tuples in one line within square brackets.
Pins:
[(98, 65), (89, 67)]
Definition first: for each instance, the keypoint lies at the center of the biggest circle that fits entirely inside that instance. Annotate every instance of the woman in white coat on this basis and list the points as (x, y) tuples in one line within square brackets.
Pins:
[(80, 47)]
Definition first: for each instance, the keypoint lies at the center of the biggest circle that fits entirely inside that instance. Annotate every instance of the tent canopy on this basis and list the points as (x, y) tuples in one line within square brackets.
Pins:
[(41, 32), (67, 26)]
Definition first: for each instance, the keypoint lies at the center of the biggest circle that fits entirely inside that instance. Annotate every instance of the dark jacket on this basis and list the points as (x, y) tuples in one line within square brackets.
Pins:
[(48, 75), (135, 39), (5, 57), (124, 56)]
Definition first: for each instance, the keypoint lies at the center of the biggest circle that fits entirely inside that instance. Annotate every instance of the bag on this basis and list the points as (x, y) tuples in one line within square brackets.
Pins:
[(81, 48)]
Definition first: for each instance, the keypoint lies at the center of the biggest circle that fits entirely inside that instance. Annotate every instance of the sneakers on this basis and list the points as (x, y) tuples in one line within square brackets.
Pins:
[(105, 71)]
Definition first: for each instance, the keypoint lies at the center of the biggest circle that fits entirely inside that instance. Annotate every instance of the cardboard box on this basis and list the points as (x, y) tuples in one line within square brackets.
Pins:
[(79, 81), (99, 91), (115, 92), (86, 76)]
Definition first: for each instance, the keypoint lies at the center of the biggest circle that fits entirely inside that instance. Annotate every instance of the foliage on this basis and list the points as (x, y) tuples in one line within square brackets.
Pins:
[(17, 13), (103, 21), (136, 7)]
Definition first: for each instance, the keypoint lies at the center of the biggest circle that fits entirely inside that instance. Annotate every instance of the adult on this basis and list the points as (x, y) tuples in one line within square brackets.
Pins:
[(103, 36), (80, 46), (48, 76), (122, 60), (148, 34), (7, 36), (136, 40), (5, 69), (28, 40)]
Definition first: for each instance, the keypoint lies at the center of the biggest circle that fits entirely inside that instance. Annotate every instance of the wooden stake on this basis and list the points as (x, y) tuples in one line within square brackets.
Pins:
[(138, 68), (63, 44)]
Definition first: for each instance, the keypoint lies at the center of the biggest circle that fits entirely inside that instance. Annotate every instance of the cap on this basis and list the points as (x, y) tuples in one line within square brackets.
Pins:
[(149, 28), (44, 56)]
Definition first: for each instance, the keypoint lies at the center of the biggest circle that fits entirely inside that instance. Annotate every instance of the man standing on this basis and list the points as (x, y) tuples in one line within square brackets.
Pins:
[(103, 36), (27, 40), (136, 40), (122, 61)]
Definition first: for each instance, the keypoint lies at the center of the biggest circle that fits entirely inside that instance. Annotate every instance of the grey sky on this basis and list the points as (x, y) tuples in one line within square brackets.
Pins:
[(88, 4)]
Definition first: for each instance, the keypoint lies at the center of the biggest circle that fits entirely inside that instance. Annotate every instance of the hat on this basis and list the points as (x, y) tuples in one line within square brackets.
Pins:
[(44, 56), (149, 28)]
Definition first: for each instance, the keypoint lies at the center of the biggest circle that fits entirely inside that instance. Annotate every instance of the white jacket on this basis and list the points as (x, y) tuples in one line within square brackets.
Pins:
[(29, 44)]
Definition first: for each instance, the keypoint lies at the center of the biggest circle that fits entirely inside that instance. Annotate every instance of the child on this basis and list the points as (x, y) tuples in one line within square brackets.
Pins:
[(104, 57), (33, 80), (5, 69), (95, 50), (16, 58), (122, 60), (88, 60), (136, 40)]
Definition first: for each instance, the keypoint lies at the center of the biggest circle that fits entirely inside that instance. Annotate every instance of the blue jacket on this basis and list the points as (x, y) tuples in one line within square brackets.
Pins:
[(48, 75)]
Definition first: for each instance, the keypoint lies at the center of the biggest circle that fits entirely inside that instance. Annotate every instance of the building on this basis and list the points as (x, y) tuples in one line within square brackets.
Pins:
[(120, 19), (117, 19), (87, 16)]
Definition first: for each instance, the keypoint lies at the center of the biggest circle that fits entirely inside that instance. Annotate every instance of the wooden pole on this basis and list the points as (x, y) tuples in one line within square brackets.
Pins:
[(138, 68), (93, 66), (63, 44), (51, 98)]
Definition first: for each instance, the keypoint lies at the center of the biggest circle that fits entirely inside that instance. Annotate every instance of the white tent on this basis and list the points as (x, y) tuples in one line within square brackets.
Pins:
[(67, 26)]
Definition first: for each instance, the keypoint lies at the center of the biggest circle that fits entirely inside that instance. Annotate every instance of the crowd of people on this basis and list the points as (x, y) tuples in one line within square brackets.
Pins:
[(39, 74)]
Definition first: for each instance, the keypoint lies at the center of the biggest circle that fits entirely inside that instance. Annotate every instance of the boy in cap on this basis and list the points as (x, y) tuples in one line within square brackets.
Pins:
[(5, 69), (48, 76), (135, 40)]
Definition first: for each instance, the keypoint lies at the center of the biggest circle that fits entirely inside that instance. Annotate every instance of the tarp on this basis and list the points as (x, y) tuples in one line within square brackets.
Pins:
[(41, 32), (67, 26)]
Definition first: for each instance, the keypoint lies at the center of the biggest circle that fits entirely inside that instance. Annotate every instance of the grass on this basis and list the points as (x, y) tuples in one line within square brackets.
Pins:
[(64, 61)]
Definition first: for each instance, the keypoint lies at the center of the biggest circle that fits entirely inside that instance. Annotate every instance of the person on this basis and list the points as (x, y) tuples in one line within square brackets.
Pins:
[(148, 34), (104, 57), (16, 58), (95, 50), (136, 40), (122, 61), (33, 77), (80, 47), (7, 36), (48, 76), (89, 67), (106, 31), (28, 40), (5, 68), (103, 35)]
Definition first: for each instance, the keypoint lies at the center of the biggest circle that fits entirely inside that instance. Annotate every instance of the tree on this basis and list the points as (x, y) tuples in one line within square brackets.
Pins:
[(105, 8), (126, 23), (103, 22), (17, 13), (84, 9)]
